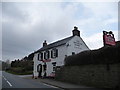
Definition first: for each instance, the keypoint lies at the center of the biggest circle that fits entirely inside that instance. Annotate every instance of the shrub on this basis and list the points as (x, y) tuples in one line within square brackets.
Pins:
[(104, 55)]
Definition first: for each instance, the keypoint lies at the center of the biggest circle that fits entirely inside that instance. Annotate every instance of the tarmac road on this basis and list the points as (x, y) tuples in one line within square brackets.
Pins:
[(15, 81)]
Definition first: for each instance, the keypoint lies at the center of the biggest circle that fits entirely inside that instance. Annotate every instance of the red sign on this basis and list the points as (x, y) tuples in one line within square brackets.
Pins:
[(109, 40)]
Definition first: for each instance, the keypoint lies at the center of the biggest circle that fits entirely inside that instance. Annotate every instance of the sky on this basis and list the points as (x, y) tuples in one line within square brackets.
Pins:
[(25, 25)]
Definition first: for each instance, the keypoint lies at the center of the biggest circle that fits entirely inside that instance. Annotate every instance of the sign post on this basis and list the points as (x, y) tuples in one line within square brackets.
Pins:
[(108, 40)]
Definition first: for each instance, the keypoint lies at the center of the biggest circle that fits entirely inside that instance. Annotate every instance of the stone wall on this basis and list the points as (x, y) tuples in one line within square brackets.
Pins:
[(102, 76)]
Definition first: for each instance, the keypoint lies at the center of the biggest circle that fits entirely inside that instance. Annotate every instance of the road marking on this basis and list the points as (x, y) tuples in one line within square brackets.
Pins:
[(4, 78), (7, 81), (50, 85)]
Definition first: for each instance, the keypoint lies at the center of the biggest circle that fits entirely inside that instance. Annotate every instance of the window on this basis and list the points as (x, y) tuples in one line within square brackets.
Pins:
[(54, 53), (51, 54), (46, 55), (54, 66), (54, 63), (41, 56), (38, 56)]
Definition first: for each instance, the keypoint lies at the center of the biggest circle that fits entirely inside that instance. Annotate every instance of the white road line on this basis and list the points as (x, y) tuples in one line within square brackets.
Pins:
[(7, 81), (4, 78), (50, 85)]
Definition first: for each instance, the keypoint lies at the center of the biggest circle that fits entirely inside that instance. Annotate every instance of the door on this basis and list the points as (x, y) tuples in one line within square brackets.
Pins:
[(39, 69)]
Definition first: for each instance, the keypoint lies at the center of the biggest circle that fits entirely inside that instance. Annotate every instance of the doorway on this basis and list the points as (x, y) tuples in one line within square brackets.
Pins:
[(39, 69)]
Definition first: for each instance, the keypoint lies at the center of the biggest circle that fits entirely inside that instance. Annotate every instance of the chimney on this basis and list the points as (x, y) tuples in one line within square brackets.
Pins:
[(76, 32), (45, 43)]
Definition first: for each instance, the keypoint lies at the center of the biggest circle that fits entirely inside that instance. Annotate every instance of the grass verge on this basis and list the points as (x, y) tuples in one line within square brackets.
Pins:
[(21, 73)]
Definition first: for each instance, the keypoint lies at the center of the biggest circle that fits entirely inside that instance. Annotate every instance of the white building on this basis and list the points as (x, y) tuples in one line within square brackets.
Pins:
[(52, 55)]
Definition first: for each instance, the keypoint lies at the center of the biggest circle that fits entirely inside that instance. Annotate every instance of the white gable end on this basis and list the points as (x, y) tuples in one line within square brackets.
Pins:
[(75, 45)]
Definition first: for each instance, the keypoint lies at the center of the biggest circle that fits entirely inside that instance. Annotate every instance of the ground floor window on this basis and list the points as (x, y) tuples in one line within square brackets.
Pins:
[(54, 66)]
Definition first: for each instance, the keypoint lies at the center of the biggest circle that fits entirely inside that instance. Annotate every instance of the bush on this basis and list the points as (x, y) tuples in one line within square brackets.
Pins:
[(19, 71), (104, 55)]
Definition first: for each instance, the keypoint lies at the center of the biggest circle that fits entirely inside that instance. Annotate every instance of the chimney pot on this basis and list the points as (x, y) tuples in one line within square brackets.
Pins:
[(44, 43), (76, 32)]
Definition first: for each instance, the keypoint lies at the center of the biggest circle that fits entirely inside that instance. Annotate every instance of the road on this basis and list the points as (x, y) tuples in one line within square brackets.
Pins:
[(15, 81)]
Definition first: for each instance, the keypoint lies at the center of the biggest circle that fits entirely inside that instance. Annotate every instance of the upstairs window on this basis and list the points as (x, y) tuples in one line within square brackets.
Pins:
[(51, 53), (46, 55), (41, 55), (38, 57), (54, 53)]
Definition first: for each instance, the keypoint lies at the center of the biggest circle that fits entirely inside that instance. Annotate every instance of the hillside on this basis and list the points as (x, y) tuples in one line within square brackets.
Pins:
[(23, 66)]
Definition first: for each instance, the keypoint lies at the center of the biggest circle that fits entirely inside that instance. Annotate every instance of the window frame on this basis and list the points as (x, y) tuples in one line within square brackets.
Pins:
[(54, 53), (54, 66), (47, 54)]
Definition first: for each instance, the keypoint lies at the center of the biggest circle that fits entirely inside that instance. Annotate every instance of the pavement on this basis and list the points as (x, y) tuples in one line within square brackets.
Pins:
[(63, 85)]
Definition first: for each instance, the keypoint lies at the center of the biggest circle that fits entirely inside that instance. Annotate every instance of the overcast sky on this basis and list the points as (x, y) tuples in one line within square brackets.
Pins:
[(26, 25)]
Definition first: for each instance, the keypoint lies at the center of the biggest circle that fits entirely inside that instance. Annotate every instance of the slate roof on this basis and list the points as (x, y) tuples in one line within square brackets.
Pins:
[(55, 44)]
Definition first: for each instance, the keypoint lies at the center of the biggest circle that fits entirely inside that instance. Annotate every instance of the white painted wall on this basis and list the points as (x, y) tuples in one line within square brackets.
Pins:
[(62, 50), (59, 60), (73, 48), (35, 65)]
